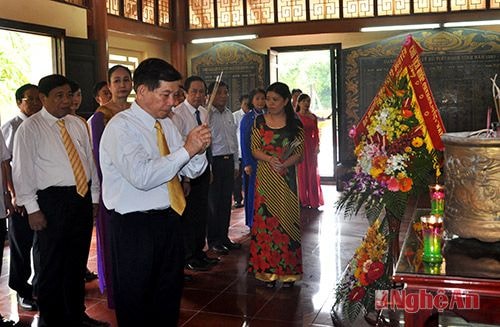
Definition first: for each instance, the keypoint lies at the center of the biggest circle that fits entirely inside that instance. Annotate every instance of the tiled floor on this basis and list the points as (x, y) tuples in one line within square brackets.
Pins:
[(228, 296)]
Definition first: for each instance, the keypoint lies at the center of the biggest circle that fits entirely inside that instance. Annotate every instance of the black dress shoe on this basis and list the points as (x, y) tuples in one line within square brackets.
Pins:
[(6, 323), (232, 246), (221, 249), (91, 322), (28, 304), (90, 276), (197, 265), (211, 261)]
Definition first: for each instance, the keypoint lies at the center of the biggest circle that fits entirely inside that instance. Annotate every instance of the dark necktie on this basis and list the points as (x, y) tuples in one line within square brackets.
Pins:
[(197, 114), (209, 150)]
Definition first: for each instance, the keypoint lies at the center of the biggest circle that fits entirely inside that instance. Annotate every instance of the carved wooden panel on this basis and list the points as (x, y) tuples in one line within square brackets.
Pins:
[(244, 69)]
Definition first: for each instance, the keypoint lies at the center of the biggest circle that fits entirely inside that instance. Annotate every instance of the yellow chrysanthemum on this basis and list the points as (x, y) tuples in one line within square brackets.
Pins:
[(417, 142), (408, 149)]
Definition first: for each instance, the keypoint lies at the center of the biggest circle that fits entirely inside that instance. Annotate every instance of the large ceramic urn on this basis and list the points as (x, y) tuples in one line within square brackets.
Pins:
[(472, 181)]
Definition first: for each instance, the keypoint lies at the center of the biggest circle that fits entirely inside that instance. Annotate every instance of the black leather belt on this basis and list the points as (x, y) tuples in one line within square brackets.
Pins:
[(158, 211), (225, 157)]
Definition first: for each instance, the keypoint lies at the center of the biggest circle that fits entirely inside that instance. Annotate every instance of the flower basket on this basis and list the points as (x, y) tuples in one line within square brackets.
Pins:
[(369, 270)]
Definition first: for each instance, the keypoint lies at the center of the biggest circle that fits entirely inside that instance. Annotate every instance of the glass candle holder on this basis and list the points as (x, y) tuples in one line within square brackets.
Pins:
[(437, 199), (432, 268), (432, 234)]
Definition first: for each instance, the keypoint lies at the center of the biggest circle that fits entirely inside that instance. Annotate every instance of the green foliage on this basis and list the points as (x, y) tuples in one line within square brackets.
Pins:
[(13, 65)]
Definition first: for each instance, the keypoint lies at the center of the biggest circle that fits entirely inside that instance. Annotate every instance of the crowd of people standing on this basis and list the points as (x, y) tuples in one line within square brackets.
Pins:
[(159, 176)]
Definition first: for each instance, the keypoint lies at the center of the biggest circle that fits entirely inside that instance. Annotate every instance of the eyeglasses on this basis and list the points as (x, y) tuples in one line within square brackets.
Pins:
[(31, 100)]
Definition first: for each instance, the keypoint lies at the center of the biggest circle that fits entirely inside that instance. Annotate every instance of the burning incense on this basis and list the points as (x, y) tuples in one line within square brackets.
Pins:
[(218, 79), (496, 96)]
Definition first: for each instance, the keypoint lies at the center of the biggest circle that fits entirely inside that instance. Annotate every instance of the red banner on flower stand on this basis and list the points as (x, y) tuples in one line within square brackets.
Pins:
[(408, 64)]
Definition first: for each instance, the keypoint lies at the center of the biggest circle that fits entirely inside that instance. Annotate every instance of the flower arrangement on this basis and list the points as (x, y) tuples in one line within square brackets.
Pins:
[(365, 273), (395, 156)]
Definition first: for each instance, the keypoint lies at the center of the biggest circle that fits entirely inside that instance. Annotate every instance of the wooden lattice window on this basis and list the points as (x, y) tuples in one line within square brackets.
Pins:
[(358, 8), (291, 11), (113, 7), (230, 13), (429, 6), (130, 9), (393, 7), (457, 5), (260, 12), (164, 12), (201, 14), (324, 9)]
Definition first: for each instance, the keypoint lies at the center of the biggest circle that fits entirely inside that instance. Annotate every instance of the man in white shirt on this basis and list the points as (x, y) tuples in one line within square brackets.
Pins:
[(188, 115), (56, 181), (141, 169), (6, 208), (20, 233), (224, 169), (238, 181)]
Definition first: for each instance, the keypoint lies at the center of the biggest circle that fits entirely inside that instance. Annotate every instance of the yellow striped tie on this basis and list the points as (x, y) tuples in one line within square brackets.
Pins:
[(76, 164), (175, 193)]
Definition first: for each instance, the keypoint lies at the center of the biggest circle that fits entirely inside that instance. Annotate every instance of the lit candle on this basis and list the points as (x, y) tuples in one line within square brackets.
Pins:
[(432, 234), (437, 199)]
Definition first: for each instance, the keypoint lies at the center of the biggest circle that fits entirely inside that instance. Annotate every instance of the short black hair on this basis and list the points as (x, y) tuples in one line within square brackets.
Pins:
[(153, 70), (296, 91), (212, 85), (191, 79), (115, 68), (97, 87), (74, 86), (20, 91), (243, 97), (50, 82)]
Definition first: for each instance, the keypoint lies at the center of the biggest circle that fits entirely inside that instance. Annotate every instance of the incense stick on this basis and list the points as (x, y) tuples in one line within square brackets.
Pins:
[(218, 79)]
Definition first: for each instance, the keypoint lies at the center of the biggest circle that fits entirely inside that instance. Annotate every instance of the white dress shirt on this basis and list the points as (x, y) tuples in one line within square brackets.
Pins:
[(9, 129), (224, 141), (238, 116), (4, 155), (134, 173), (185, 117), (40, 159)]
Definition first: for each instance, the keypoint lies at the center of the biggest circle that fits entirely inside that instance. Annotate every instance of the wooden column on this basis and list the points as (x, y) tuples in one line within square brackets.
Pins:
[(178, 46), (98, 31)]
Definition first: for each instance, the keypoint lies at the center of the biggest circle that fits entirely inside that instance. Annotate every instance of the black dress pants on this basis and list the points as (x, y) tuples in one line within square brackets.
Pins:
[(238, 186), (147, 254), (61, 250), (219, 200), (194, 218), (3, 233), (20, 242)]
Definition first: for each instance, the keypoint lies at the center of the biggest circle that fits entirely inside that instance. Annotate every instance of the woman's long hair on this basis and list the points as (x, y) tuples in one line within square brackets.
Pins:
[(292, 120)]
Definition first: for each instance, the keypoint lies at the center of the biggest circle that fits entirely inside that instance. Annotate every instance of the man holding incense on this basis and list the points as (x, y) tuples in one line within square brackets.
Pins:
[(224, 168)]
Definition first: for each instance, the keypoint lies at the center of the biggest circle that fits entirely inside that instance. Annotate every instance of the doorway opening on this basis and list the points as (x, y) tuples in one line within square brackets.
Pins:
[(313, 70), (25, 58)]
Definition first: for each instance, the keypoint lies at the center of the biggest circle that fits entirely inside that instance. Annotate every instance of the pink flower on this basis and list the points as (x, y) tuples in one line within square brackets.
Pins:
[(352, 132), (393, 184)]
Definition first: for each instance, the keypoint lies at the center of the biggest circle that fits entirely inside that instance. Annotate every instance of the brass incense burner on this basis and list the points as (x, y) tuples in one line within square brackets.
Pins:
[(472, 181)]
